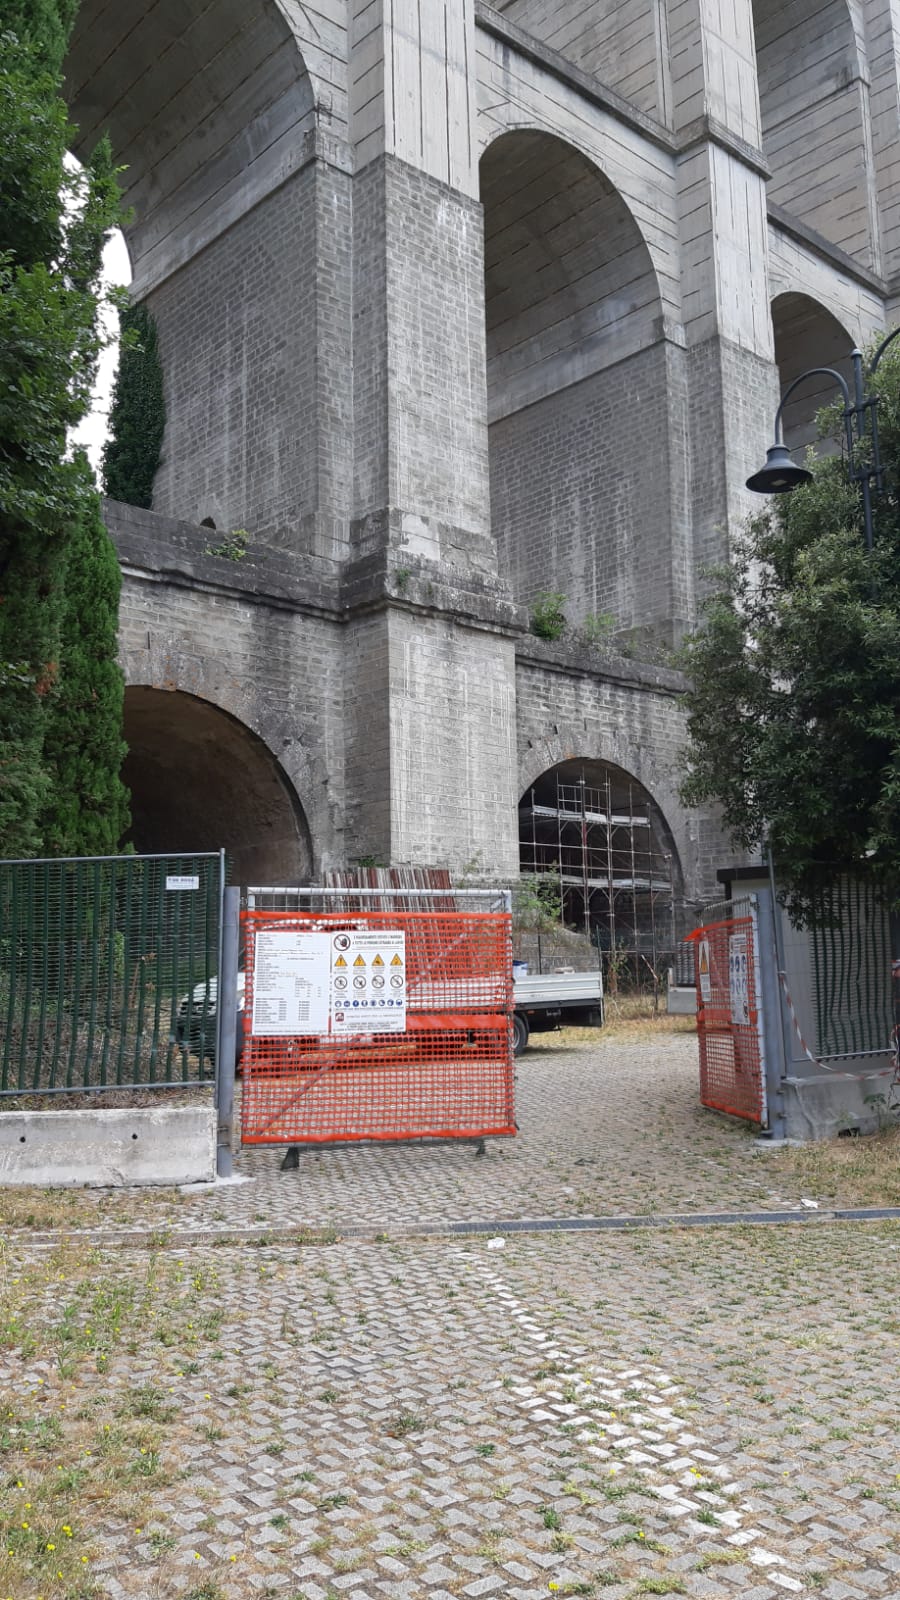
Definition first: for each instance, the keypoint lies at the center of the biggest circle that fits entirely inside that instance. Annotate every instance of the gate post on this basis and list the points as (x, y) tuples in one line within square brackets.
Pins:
[(226, 1031), (766, 933)]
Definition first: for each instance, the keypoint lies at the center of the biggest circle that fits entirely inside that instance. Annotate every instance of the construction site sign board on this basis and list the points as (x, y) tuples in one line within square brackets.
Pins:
[(321, 983), (290, 984), (368, 981)]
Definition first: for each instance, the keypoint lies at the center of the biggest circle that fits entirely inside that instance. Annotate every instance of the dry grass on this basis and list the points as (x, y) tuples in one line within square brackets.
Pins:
[(850, 1172), (81, 1453), (43, 1209), (629, 1019)]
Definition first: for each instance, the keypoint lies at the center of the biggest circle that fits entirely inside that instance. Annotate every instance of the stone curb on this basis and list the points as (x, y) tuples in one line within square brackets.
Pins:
[(175, 1239)]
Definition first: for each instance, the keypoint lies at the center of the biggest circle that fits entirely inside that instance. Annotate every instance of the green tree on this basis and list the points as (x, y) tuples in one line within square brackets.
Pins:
[(137, 415), (794, 704), (87, 810), (53, 224)]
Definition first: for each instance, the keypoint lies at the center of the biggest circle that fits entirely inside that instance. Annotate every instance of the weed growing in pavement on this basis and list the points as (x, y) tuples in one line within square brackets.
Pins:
[(406, 1422), (549, 1517), (708, 1517), (663, 1585), (720, 1558), (331, 1502)]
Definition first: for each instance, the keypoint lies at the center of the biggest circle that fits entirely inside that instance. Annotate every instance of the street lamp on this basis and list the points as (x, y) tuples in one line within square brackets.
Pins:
[(780, 475), (860, 418)]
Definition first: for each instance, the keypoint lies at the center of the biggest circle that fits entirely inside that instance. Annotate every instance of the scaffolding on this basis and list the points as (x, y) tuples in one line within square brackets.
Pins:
[(599, 847)]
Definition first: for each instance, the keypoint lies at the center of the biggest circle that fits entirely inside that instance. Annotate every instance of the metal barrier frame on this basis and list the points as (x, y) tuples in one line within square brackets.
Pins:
[(744, 916), (311, 902)]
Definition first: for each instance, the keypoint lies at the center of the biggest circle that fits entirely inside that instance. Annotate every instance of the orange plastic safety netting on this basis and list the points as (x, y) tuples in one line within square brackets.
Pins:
[(376, 1025), (731, 1068)]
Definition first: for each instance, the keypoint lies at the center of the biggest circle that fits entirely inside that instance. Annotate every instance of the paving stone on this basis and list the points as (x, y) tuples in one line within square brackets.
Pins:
[(559, 1357)]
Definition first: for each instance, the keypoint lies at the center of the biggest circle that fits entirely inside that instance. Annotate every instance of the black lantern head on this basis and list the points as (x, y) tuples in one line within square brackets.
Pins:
[(780, 474)]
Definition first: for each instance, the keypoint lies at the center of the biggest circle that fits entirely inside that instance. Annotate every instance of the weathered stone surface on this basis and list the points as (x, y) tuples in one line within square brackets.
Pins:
[(457, 305)]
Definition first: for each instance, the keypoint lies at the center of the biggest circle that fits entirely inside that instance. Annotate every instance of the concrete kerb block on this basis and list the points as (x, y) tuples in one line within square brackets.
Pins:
[(823, 1105), (155, 1145)]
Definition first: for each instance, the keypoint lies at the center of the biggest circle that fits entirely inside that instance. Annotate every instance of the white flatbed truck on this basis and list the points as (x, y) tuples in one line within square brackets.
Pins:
[(541, 1002)]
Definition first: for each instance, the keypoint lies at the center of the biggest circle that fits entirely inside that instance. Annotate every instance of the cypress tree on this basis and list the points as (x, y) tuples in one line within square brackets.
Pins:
[(137, 415), (53, 225), (87, 810)]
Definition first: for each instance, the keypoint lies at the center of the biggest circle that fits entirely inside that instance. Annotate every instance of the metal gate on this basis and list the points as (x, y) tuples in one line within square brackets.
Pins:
[(729, 1020), (376, 1015)]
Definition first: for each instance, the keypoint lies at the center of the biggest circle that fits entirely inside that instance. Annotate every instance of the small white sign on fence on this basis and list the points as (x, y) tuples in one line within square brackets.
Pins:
[(739, 979), (183, 883)]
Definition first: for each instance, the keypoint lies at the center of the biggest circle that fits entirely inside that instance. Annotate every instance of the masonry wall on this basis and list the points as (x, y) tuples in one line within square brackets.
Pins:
[(580, 494), (452, 699), (621, 43), (209, 630), (420, 480), (621, 713), (237, 339), (814, 105)]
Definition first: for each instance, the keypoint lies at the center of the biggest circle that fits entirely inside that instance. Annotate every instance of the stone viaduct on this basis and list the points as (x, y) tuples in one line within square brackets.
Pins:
[(458, 304)]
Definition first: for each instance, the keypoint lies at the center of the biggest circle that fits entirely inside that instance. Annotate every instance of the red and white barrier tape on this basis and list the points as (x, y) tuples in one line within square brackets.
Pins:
[(822, 1065)]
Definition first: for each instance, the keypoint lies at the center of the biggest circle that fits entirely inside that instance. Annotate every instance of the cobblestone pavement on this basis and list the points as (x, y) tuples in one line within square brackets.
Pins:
[(688, 1411), (705, 1412), (605, 1130)]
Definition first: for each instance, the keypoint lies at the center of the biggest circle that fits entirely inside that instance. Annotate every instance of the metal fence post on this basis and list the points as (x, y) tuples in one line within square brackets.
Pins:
[(226, 1031), (771, 1007)]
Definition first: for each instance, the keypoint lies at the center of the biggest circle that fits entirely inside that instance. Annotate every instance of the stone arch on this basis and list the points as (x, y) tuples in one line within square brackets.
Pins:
[(201, 104), (623, 46), (201, 780), (601, 836), (808, 335), (213, 114), (814, 112), (571, 293)]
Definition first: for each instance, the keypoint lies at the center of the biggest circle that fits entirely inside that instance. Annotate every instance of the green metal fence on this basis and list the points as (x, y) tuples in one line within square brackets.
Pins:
[(108, 972), (850, 947)]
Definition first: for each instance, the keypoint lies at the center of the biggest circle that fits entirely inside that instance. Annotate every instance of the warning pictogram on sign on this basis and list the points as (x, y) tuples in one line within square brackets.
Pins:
[(396, 961), (340, 962), (360, 961), (703, 971), (378, 961)]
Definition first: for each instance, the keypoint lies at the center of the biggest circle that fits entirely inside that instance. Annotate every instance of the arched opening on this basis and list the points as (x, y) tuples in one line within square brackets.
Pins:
[(200, 780), (806, 335), (596, 848), (570, 293), (813, 106), (210, 109)]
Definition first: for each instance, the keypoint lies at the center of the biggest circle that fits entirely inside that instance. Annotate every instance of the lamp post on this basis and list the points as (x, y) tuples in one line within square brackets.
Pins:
[(780, 475)]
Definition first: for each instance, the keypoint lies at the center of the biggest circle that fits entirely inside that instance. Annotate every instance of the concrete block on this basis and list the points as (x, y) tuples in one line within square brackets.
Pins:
[(681, 1002), (108, 1149), (824, 1105)]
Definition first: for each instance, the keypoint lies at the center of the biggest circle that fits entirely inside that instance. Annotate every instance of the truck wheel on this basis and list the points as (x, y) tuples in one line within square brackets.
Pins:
[(521, 1033)]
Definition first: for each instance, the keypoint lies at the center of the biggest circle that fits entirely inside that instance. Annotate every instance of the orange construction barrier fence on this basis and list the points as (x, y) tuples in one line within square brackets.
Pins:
[(376, 1025), (731, 1068)]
